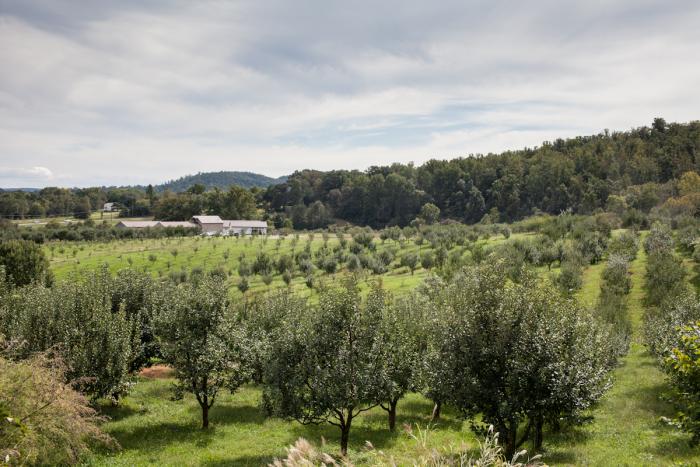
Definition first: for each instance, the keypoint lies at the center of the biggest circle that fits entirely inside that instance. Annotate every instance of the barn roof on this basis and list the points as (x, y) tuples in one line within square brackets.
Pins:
[(177, 224), (139, 224), (207, 219), (244, 223)]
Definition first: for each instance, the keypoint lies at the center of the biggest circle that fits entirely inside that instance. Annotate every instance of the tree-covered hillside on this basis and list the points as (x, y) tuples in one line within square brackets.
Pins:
[(581, 174), (222, 180)]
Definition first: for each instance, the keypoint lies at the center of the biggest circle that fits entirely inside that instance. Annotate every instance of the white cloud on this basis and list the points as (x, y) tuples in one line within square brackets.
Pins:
[(15, 177), (134, 92)]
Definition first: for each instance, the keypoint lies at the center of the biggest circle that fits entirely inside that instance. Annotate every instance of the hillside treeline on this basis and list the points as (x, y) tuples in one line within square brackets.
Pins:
[(579, 174), (632, 171)]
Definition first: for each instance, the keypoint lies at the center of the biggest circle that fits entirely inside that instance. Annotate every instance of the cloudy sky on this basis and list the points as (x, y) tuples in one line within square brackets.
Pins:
[(139, 91)]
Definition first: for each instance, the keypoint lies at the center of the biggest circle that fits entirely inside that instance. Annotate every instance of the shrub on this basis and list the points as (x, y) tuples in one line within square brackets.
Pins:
[(659, 239), (570, 277), (24, 262), (262, 264), (363, 238), (243, 285), (427, 260), (625, 245), (612, 302), (661, 324), (76, 318), (354, 263), (410, 261), (665, 277), (284, 263), (43, 421), (683, 369), (244, 268)]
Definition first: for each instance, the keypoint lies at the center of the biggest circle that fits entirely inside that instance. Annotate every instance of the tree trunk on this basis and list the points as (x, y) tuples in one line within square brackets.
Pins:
[(392, 414), (345, 437), (436, 410), (510, 440), (205, 413), (538, 424)]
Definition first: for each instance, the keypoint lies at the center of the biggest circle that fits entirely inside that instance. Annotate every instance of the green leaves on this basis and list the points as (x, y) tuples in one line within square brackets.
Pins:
[(514, 352), (24, 262), (201, 340), (326, 362)]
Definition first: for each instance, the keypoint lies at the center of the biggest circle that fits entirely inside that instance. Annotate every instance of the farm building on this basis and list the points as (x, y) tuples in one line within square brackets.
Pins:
[(110, 207), (153, 224), (209, 225), (186, 224), (215, 225), (137, 224), (243, 227)]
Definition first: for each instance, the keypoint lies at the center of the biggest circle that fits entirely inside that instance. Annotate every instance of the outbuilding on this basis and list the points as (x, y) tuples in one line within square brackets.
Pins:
[(209, 224)]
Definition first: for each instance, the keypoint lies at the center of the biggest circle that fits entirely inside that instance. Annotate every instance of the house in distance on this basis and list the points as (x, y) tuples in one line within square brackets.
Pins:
[(208, 225)]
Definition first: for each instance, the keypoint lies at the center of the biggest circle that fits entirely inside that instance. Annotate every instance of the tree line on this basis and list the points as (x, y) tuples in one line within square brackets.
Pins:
[(623, 169), (628, 172)]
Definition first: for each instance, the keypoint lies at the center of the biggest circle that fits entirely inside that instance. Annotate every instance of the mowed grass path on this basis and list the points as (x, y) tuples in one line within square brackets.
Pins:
[(626, 427)]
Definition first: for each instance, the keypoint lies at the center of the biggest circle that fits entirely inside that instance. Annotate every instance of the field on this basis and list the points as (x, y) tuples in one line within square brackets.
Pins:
[(624, 428), (161, 257)]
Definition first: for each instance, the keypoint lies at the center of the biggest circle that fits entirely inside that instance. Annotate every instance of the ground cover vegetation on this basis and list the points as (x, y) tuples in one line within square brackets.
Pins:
[(355, 345)]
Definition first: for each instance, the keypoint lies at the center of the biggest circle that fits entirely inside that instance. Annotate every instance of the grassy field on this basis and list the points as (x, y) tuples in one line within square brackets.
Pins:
[(161, 257), (624, 428)]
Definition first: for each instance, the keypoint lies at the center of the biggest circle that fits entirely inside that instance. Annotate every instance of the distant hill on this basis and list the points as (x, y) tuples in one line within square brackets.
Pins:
[(221, 180)]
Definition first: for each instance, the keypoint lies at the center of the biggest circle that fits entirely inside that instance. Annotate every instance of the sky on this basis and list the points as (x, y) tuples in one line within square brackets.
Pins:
[(143, 91)]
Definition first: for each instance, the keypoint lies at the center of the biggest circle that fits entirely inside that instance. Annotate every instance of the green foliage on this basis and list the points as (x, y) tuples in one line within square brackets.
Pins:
[(363, 238), (427, 260), (24, 262), (77, 320), (518, 352), (410, 260), (221, 180), (43, 421), (659, 239), (325, 368), (262, 264), (201, 341), (265, 319), (429, 213), (243, 285), (612, 302), (661, 324), (625, 245), (397, 347), (665, 277), (570, 278), (683, 368)]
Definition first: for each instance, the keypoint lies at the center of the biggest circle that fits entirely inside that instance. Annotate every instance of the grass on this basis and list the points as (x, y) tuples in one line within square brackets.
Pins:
[(624, 427), (161, 257), (153, 430)]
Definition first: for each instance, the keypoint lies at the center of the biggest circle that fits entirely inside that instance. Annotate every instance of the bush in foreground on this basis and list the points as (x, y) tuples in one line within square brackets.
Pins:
[(42, 419)]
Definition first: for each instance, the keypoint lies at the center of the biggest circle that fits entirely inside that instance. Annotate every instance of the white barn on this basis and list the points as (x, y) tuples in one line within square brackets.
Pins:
[(244, 227)]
